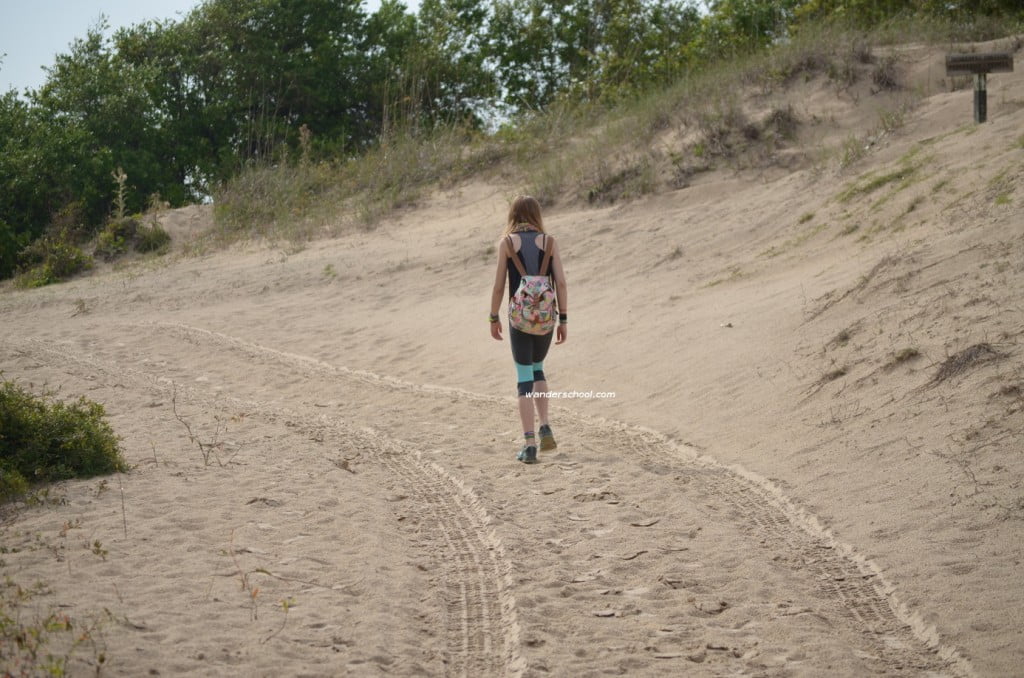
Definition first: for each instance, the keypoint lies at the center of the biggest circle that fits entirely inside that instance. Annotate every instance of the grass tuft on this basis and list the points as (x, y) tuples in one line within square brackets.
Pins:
[(905, 355), (834, 374), (872, 182)]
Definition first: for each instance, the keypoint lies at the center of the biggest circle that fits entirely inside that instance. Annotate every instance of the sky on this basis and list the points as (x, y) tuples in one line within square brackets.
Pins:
[(34, 32)]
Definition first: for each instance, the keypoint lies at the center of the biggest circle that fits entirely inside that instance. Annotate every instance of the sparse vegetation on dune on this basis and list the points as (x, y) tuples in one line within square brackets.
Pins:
[(740, 113), (50, 643), (588, 102)]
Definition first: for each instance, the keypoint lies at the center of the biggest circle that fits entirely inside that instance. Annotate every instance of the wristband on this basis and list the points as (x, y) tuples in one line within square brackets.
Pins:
[(493, 317), (563, 318)]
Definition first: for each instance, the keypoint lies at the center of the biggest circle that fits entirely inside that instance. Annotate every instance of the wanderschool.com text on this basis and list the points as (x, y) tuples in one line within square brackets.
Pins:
[(573, 394)]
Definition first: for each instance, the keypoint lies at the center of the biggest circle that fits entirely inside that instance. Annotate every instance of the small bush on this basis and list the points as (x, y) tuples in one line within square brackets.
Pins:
[(115, 238), (51, 259), (151, 239), (12, 483), (120, 235), (43, 441), (885, 75)]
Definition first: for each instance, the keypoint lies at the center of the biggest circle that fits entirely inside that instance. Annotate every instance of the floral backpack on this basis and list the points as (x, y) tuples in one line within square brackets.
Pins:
[(532, 308)]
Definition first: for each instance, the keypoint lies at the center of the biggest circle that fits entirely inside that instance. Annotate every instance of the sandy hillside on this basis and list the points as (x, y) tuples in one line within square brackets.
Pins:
[(811, 466)]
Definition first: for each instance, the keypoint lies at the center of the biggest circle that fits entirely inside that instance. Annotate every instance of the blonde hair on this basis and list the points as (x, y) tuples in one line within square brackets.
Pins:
[(524, 210)]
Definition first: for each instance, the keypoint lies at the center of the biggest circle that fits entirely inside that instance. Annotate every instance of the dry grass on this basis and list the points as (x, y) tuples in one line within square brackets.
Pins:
[(962, 361), (902, 357), (873, 182)]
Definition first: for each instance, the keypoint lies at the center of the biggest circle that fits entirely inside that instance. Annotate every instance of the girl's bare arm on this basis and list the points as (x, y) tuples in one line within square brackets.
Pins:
[(499, 278), (561, 289)]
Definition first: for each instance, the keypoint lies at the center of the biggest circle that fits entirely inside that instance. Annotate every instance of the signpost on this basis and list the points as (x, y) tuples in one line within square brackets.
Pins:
[(979, 65)]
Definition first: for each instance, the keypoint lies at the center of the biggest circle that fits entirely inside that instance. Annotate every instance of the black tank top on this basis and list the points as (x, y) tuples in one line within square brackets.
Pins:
[(532, 257)]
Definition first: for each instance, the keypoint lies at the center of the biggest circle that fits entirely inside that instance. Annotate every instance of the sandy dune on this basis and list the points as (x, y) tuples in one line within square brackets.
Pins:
[(812, 465)]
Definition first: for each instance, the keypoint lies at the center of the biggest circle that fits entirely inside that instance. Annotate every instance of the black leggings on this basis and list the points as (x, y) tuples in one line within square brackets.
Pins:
[(528, 352)]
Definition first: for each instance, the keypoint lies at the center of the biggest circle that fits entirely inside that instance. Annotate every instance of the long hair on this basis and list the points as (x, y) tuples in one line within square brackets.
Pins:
[(524, 210)]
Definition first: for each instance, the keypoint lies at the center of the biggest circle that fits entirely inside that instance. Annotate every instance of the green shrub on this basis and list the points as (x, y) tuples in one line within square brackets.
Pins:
[(43, 441), (115, 238), (151, 239), (120, 235), (51, 259), (12, 483)]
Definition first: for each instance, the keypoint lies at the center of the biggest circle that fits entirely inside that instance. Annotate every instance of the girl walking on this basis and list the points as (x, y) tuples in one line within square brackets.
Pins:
[(525, 249)]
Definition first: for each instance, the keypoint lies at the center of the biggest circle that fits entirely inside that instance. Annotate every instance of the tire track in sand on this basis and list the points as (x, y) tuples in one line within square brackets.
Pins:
[(480, 614), (867, 598), (481, 626)]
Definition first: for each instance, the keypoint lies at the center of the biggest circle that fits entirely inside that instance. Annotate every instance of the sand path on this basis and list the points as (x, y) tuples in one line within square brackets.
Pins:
[(621, 552)]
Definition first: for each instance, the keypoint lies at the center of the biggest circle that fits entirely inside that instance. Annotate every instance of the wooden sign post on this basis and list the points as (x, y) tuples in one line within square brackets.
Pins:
[(979, 65)]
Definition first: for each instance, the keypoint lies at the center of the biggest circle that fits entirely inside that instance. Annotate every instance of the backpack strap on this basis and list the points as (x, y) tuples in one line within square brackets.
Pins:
[(514, 256), (547, 257)]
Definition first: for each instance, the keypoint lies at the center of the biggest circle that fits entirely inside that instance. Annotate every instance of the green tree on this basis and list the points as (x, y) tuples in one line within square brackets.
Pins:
[(643, 44), (262, 68), (525, 52), (446, 64), (98, 107), (187, 135), (22, 199), (11, 243), (396, 80), (734, 27), (41, 170), (590, 49)]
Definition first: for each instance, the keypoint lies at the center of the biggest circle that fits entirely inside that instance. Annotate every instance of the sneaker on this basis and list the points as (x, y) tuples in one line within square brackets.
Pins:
[(547, 438), (527, 455)]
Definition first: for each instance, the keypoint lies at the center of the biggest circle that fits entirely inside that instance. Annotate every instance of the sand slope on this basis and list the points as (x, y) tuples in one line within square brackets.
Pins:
[(811, 466)]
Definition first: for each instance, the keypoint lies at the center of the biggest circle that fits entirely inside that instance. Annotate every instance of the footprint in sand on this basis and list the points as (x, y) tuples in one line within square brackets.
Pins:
[(597, 495)]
